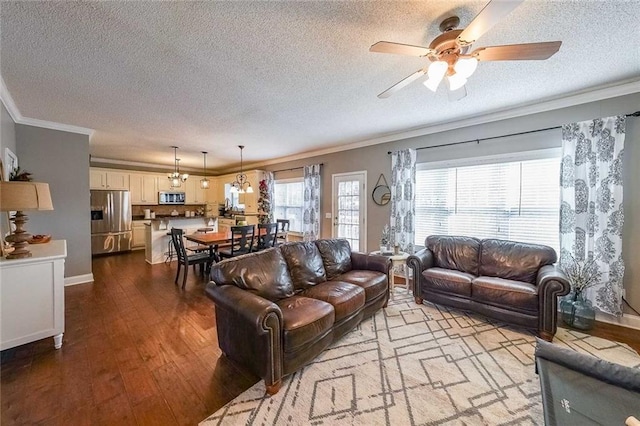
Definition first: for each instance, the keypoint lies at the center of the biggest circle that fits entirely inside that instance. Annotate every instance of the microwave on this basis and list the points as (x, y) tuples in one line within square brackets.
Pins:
[(171, 197)]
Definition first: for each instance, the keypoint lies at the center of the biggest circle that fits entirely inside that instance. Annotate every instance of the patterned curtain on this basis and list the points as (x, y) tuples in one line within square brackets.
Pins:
[(265, 202), (403, 206), (591, 214), (311, 203)]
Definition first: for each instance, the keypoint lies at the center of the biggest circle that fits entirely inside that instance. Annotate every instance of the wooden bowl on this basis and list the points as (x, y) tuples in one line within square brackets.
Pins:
[(40, 239)]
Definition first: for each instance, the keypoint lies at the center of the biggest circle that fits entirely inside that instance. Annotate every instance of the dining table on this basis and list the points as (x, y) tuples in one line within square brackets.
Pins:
[(215, 239)]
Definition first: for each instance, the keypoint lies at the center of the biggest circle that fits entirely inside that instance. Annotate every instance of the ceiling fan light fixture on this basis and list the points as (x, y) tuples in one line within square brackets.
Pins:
[(456, 81), (436, 73), (465, 67)]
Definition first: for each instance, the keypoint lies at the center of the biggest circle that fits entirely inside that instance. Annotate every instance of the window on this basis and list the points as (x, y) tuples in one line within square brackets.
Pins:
[(515, 200), (288, 202)]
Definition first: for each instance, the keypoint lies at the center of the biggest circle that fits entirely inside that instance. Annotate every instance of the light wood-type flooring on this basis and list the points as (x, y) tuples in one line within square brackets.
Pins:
[(137, 350)]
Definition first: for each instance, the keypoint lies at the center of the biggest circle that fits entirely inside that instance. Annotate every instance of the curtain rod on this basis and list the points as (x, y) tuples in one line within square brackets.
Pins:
[(288, 170), (634, 114)]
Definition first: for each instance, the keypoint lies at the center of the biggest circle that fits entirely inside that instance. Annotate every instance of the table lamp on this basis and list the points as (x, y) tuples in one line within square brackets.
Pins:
[(19, 197)]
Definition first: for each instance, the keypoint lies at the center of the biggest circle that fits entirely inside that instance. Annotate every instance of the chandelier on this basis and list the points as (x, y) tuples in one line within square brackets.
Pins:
[(176, 178), (204, 182), (238, 185)]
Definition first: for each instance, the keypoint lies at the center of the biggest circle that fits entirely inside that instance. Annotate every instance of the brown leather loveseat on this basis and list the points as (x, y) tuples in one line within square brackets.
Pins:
[(513, 282), (279, 308)]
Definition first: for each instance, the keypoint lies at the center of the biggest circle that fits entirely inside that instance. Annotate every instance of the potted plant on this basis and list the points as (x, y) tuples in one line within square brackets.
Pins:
[(384, 240), (577, 310)]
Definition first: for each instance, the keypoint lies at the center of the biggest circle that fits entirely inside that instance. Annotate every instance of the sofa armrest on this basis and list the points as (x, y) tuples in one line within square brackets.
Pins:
[(249, 330), (551, 283), (421, 260), (371, 262)]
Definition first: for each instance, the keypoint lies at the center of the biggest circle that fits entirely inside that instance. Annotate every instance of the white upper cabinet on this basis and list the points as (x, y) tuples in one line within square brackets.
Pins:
[(144, 189), (108, 179), (164, 184), (193, 193)]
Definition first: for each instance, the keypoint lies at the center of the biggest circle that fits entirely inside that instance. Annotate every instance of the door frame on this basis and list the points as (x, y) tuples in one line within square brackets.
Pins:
[(363, 205)]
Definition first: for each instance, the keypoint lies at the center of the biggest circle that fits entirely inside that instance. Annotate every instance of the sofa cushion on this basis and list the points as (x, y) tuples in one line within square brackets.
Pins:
[(346, 298), (509, 294), (374, 283), (448, 281), (263, 273), (513, 260), (305, 320), (459, 253), (305, 264), (336, 256)]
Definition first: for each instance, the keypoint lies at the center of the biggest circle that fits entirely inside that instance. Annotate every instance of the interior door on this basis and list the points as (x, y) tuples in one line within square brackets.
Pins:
[(350, 208)]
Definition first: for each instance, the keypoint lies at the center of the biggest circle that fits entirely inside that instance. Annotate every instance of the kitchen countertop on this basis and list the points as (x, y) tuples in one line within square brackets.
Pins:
[(168, 216)]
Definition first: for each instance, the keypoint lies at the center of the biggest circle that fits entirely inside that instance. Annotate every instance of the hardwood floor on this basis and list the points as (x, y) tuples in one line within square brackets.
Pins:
[(137, 350)]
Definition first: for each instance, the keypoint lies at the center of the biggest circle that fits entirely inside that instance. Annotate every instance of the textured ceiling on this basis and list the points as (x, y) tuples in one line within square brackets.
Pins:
[(283, 78)]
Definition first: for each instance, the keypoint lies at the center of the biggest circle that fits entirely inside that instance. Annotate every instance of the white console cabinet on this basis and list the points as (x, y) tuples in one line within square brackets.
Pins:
[(32, 296)]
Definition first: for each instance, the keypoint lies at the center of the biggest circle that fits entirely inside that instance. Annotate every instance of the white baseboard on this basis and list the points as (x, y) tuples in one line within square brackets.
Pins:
[(78, 279), (626, 320)]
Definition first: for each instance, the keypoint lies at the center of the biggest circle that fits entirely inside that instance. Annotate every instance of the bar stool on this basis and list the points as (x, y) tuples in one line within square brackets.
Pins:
[(169, 253)]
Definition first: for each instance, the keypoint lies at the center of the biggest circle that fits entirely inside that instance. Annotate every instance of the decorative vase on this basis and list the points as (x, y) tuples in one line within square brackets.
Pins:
[(577, 311)]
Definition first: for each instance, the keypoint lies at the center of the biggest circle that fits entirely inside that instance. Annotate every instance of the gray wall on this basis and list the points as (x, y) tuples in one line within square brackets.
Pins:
[(7, 140), (375, 160), (60, 159)]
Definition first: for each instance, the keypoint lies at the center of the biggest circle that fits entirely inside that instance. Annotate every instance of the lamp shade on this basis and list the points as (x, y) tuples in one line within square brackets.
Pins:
[(21, 196)]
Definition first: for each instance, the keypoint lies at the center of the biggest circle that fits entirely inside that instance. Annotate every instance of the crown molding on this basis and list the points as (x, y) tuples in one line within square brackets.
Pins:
[(162, 168), (56, 126), (18, 118), (627, 87), (8, 101)]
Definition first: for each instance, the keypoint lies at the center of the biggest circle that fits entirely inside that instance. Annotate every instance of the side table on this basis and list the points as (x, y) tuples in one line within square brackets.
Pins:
[(397, 260)]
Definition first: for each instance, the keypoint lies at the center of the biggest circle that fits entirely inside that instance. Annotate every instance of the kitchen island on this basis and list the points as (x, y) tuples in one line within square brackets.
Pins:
[(158, 230)]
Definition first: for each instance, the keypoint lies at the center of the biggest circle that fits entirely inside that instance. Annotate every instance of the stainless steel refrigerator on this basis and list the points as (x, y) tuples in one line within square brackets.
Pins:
[(110, 221)]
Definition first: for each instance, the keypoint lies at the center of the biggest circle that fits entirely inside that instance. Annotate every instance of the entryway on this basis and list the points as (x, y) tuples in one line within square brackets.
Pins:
[(349, 208)]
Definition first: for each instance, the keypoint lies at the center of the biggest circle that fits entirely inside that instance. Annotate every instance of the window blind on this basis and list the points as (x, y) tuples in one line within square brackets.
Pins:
[(288, 202), (517, 200)]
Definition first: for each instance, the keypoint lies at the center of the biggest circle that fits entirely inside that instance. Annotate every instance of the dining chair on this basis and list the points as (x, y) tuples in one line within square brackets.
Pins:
[(267, 233), (204, 259), (242, 238), (282, 231)]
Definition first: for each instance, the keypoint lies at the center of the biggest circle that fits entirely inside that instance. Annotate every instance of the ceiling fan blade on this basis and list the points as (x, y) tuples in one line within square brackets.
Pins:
[(400, 49), (492, 13), (518, 52), (402, 83)]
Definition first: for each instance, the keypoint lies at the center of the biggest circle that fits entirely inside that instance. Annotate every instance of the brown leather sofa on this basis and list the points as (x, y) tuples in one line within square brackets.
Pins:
[(513, 282), (279, 308)]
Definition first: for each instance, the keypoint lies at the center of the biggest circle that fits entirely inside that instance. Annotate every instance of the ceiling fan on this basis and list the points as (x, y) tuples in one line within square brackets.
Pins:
[(449, 51)]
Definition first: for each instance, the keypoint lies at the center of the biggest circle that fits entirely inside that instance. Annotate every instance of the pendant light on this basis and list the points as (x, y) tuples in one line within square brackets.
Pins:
[(238, 185), (176, 178), (204, 182)]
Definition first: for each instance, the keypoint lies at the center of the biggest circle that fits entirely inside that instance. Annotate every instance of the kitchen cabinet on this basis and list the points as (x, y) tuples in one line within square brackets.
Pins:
[(224, 225), (108, 179), (32, 296), (138, 234), (193, 193), (144, 189), (211, 195), (164, 184)]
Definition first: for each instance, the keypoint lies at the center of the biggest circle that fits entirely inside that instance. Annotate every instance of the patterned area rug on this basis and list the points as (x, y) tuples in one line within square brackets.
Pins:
[(416, 364)]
